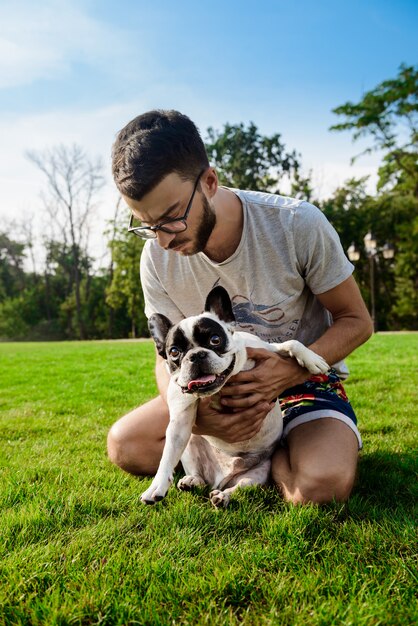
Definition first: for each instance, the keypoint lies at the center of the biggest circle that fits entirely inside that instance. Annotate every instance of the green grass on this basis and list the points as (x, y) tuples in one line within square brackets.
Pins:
[(77, 547)]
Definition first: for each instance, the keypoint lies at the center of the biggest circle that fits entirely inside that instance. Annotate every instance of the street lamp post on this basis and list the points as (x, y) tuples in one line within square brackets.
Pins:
[(370, 246), (372, 253)]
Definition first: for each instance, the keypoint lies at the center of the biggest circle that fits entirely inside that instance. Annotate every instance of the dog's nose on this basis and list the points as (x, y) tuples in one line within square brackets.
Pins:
[(198, 356)]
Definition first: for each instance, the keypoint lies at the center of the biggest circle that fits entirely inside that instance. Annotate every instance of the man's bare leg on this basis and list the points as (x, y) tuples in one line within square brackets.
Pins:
[(319, 463), (135, 442)]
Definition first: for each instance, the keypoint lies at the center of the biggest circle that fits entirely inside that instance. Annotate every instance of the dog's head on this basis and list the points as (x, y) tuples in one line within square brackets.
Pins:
[(201, 351)]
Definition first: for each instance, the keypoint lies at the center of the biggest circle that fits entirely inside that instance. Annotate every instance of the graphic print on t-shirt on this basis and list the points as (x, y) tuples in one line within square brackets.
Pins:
[(266, 321)]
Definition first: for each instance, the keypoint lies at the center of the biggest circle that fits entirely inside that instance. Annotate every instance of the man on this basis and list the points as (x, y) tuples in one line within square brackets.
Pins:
[(287, 275)]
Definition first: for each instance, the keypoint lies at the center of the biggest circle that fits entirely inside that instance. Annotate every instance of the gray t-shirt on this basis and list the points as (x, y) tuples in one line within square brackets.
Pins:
[(288, 253)]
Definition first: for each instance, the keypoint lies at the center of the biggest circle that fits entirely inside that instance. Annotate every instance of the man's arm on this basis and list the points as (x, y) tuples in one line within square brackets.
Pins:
[(273, 374), (162, 376), (352, 323)]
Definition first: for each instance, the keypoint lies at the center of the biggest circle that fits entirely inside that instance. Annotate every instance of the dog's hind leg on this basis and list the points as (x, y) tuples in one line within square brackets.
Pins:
[(190, 481), (255, 476), (199, 463)]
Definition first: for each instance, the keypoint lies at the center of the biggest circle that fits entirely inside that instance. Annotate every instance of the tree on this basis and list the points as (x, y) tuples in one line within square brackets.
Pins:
[(391, 217), (73, 182), (124, 291), (389, 115), (405, 296), (60, 287), (248, 160), (301, 187), (12, 275), (113, 232)]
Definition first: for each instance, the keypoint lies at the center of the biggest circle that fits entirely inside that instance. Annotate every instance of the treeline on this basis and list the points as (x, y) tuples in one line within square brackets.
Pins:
[(67, 299)]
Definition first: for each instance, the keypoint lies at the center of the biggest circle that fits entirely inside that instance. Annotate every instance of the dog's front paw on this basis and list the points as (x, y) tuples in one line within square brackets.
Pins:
[(313, 362), (188, 482), (219, 499), (156, 492)]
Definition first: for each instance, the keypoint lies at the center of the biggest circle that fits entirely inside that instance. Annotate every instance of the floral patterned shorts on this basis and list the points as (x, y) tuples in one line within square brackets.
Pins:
[(320, 396)]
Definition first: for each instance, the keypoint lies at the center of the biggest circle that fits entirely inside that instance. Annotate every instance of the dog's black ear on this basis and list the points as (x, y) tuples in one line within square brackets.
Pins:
[(159, 325), (219, 302)]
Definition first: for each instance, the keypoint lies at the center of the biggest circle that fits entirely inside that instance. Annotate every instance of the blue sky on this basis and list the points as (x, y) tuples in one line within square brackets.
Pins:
[(77, 71)]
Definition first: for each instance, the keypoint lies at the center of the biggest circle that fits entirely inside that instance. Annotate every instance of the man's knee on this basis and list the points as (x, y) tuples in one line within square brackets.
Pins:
[(115, 445), (321, 487), (135, 442), (127, 453), (319, 464)]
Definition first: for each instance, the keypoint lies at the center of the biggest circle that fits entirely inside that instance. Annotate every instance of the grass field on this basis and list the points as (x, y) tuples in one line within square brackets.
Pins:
[(77, 547)]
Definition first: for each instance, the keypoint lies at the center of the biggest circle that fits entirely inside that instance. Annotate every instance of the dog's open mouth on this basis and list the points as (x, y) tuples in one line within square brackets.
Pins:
[(208, 382)]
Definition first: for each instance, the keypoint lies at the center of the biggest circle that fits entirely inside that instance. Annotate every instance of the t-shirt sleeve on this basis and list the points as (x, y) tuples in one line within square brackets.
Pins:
[(156, 297), (320, 255)]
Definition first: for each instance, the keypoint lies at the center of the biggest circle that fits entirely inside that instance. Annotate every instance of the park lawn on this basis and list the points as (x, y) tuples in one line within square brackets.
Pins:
[(77, 547)]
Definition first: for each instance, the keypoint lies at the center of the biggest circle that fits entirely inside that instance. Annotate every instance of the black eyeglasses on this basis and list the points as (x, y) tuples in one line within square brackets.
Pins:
[(170, 225)]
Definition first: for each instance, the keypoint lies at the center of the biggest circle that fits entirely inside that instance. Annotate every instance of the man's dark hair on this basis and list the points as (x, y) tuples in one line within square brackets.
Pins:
[(152, 146)]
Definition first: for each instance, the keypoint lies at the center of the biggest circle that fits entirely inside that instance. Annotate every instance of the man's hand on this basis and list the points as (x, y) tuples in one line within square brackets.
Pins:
[(271, 375), (248, 397), (233, 425)]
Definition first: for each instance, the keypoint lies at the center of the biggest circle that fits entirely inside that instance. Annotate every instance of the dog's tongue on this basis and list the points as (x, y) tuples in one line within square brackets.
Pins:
[(210, 378)]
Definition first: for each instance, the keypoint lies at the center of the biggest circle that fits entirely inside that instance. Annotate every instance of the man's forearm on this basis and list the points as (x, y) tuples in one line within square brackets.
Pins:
[(162, 377), (352, 324), (342, 338), (273, 374)]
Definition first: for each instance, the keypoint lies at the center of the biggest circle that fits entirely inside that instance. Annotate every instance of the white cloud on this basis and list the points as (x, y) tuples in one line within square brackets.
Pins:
[(328, 176), (42, 40)]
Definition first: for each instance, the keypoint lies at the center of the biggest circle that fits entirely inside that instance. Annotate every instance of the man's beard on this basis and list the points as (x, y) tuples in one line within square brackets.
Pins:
[(204, 230), (206, 226)]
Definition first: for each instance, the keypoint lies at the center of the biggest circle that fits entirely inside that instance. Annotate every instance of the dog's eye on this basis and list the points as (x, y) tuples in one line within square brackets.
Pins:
[(174, 352), (215, 340)]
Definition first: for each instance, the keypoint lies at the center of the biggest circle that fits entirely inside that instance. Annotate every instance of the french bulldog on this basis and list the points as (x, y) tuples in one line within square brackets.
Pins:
[(202, 352)]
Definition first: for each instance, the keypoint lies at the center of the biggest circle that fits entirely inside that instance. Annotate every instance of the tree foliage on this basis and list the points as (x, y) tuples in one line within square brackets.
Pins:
[(73, 182), (353, 213), (388, 115), (12, 275), (124, 291), (246, 159)]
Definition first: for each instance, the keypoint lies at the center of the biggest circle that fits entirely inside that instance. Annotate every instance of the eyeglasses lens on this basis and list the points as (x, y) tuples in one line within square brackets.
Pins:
[(147, 233)]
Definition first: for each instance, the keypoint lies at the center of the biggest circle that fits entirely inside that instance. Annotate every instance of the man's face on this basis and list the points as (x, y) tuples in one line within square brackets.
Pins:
[(169, 199)]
